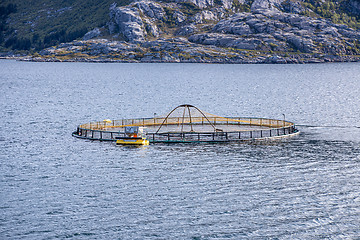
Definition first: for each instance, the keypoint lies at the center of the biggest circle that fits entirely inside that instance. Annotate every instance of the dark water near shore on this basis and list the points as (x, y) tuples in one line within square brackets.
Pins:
[(53, 186)]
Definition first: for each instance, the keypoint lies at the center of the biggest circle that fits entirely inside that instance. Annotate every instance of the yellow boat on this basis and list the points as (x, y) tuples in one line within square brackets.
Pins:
[(134, 136), (132, 141)]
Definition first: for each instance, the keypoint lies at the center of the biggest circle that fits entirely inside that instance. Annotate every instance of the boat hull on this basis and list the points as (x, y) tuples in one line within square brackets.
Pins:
[(132, 142)]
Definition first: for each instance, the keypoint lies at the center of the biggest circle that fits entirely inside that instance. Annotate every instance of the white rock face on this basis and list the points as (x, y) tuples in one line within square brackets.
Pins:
[(203, 3), (199, 3), (269, 26), (179, 17), (214, 14), (227, 3), (151, 28), (209, 15), (265, 4), (151, 9), (128, 21)]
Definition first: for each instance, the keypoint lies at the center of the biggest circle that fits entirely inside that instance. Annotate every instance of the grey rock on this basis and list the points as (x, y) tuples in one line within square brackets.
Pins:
[(46, 52), (241, 29), (266, 4), (274, 59), (128, 22), (186, 30), (293, 7), (303, 44), (350, 33), (271, 26), (151, 28), (151, 9), (179, 17), (294, 19), (223, 40), (227, 3), (233, 25), (209, 15), (331, 31), (200, 3), (99, 48), (206, 15), (92, 34), (65, 45)]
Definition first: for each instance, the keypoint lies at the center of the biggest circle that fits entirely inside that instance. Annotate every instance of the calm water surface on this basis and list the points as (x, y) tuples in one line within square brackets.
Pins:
[(53, 186)]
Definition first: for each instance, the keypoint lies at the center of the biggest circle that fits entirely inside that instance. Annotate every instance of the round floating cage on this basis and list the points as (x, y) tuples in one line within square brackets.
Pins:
[(188, 124)]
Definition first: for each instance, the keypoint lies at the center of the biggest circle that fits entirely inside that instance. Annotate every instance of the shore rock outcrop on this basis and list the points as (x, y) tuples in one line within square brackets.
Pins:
[(278, 31), (92, 34), (127, 21), (217, 31), (266, 4), (151, 9)]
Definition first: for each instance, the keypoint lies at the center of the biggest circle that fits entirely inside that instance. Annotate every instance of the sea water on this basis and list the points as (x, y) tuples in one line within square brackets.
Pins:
[(54, 186)]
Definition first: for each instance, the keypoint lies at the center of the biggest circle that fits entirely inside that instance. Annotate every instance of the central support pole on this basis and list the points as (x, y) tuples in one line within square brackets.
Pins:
[(183, 121), (192, 130)]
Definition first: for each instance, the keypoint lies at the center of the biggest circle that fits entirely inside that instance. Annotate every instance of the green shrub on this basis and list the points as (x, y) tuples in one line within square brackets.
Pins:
[(337, 11), (189, 9), (169, 20), (242, 7)]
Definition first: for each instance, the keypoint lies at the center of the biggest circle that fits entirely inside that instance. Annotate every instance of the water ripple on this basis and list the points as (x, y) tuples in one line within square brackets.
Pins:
[(54, 186)]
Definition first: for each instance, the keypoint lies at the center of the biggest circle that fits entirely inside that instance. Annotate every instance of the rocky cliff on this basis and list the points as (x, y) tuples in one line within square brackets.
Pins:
[(227, 31)]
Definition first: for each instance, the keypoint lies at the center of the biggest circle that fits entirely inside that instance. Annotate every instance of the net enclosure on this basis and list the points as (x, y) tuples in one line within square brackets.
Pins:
[(188, 124)]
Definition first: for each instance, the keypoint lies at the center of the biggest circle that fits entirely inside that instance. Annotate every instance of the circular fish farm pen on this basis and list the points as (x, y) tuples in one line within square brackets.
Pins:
[(188, 124)]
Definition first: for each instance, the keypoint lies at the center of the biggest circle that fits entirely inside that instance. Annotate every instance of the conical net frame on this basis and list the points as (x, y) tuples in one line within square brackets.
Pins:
[(186, 118)]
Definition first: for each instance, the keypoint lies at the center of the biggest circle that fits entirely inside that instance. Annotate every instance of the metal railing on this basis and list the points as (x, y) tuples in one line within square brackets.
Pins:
[(269, 128)]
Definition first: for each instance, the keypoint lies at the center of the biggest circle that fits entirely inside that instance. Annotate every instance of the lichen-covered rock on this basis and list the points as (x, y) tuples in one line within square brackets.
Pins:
[(151, 9), (151, 28), (186, 30), (349, 33), (92, 34), (227, 4), (180, 50), (205, 16), (200, 3), (225, 40), (281, 31), (213, 32), (266, 4), (179, 17), (275, 59), (299, 43), (128, 22), (293, 6), (234, 25)]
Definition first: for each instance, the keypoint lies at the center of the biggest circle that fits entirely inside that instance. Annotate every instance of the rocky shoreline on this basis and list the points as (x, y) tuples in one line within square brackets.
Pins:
[(209, 32), (177, 50), (260, 60), (269, 60)]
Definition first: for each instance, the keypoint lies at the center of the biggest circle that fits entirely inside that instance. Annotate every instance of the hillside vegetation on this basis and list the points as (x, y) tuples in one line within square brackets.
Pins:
[(228, 31), (37, 24), (338, 11)]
